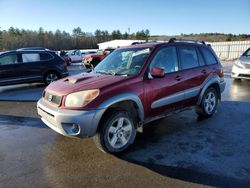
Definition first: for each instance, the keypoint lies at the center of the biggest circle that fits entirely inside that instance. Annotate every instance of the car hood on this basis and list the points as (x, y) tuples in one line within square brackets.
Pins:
[(83, 81)]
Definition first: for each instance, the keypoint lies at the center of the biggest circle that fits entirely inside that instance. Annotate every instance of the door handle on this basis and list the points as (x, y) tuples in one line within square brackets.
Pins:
[(178, 78), (204, 71)]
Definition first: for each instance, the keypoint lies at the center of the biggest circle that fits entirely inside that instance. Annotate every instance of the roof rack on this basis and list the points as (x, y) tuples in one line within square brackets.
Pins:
[(146, 42), (172, 40), (33, 48)]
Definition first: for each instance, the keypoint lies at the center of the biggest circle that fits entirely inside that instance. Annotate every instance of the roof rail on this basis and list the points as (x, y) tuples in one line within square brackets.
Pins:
[(172, 40), (146, 42), (33, 48)]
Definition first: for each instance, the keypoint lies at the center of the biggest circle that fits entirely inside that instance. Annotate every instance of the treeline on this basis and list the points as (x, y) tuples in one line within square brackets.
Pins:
[(209, 37), (15, 38)]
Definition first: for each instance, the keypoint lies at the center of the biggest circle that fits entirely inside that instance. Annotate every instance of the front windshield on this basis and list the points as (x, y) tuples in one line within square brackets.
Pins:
[(127, 62), (247, 53)]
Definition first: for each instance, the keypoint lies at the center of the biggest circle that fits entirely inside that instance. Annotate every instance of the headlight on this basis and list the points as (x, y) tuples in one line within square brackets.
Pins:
[(82, 98), (239, 64)]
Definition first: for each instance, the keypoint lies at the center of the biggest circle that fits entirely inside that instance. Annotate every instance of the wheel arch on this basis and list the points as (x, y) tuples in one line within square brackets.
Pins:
[(128, 102), (213, 82)]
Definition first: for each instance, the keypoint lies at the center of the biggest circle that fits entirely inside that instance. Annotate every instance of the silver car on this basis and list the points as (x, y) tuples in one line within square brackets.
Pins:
[(241, 67)]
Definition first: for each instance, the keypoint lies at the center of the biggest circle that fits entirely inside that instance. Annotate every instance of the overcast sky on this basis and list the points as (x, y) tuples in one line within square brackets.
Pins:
[(161, 17)]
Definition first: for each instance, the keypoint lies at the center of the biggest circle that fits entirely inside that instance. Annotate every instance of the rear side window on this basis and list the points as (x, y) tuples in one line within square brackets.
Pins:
[(30, 57), (45, 57), (209, 57), (188, 56), (8, 59), (166, 58)]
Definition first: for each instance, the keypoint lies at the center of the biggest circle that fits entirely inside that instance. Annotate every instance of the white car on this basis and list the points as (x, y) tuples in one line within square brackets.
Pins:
[(241, 67), (74, 56)]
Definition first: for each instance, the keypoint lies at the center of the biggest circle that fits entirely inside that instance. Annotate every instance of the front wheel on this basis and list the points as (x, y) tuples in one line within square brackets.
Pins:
[(208, 104), (117, 132)]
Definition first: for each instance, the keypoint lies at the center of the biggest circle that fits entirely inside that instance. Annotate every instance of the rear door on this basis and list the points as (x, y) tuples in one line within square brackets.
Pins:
[(9, 68), (194, 72), (31, 66), (164, 94)]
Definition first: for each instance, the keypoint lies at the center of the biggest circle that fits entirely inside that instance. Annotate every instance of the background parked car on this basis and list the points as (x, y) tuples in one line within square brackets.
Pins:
[(73, 56), (241, 68), (90, 61), (29, 65), (87, 53)]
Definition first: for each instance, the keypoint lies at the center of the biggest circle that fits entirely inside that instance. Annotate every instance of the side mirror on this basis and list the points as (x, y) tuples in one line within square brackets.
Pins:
[(157, 72)]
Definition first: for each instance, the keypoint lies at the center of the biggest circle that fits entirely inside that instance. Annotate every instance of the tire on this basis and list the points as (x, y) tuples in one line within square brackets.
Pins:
[(237, 79), (208, 104), (117, 132), (50, 77)]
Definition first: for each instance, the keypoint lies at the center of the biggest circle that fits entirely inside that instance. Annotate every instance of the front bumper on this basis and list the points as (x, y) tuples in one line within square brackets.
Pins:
[(71, 123), (240, 73)]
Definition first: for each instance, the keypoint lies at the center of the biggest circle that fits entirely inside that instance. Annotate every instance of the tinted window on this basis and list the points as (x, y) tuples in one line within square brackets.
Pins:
[(45, 57), (188, 57), (8, 59), (30, 57), (209, 57), (166, 59)]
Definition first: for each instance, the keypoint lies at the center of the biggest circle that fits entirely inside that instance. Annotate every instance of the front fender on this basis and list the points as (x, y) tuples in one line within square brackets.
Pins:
[(125, 97)]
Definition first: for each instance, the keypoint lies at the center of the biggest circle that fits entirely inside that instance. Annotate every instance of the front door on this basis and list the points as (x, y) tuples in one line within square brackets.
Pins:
[(164, 94)]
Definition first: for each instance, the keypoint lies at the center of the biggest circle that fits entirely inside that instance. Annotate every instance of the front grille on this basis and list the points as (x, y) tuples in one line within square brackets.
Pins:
[(244, 75), (52, 98)]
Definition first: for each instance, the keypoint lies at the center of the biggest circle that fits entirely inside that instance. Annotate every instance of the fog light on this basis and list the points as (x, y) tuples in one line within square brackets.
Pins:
[(75, 128)]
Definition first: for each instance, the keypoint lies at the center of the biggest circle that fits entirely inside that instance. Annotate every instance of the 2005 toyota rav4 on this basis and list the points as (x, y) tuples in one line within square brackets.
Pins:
[(131, 87)]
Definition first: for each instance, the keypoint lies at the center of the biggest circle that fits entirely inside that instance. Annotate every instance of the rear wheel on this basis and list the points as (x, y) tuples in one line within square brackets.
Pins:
[(208, 104), (50, 77), (117, 132)]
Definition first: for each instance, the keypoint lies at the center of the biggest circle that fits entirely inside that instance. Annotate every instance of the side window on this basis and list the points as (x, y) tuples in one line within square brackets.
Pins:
[(209, 57), (201, 59), (188, 56), (166, 59), (45, 57), (8, 59), (30, 57)]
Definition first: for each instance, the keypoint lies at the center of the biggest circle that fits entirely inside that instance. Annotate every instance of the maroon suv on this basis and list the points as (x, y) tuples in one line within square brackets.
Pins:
[(131, 87)]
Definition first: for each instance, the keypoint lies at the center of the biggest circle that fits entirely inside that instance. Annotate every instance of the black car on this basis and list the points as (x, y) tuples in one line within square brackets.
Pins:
[(31, 65)]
